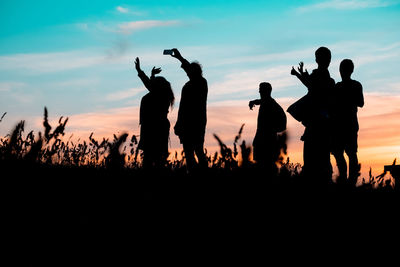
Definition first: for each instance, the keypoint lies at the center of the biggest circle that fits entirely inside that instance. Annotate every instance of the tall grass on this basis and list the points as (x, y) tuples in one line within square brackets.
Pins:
[(52, 148)]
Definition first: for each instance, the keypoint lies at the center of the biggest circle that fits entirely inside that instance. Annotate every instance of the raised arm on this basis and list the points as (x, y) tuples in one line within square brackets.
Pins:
[(252, 103), (142, 75), (302, 75), (176, 54)]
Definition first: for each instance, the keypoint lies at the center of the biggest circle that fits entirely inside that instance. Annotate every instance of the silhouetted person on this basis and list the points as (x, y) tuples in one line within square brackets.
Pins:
[(347, 97), (271, 120), (190, 126), (154, 123), (315, 116)]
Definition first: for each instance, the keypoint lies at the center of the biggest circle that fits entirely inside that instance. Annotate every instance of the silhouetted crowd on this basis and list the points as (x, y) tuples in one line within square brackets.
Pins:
[(328, 112)]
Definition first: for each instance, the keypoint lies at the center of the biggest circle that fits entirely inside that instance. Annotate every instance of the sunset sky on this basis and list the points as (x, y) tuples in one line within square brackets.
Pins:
[(76, 58)]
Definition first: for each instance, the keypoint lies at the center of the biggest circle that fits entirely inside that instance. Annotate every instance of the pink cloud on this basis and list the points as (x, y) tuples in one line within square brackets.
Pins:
[(132, 26)]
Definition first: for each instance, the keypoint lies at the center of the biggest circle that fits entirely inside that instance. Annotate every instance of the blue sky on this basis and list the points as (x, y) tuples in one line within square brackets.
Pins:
[(75, 57)]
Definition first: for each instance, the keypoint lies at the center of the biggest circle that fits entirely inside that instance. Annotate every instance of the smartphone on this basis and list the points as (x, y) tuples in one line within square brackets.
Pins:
[(168, 52)]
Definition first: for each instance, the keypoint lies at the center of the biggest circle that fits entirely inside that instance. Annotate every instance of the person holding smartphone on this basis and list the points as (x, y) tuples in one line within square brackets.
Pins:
[(190, 126)]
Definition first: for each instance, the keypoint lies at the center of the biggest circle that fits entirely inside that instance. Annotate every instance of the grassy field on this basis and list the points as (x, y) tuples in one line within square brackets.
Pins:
[(51, 150), (60, 193)]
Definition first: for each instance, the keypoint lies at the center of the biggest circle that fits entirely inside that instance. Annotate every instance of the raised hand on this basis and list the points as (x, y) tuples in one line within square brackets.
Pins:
[(176, 53), (137, 64), (301, 69), (251, 105), (155, 71), (301, 66), (293, 71)]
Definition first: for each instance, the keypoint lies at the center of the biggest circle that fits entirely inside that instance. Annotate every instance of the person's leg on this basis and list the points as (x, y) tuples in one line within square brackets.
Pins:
[(160, 161), (310, 156), (317, 164), (201, 156), (259, 151), (342, 166), (323, 156), (272, 153), (351, 151), (148, 160), (337, 148), (162, 145), (307, 157), (311, 177), (255, 149), (189, 155), (321, 153), (255, 153), (307, 151), (353, 167)]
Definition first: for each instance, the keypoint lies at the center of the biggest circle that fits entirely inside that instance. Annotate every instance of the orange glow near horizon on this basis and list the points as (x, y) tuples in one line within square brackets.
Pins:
[(379, 139)]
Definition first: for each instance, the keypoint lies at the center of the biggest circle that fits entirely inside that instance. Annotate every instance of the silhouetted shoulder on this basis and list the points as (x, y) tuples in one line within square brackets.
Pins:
[(356, 84), (204, 81), (350, 83), (349, 87)]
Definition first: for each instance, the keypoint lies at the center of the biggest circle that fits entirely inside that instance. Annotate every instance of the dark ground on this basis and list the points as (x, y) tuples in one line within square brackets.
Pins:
[(77, 216)]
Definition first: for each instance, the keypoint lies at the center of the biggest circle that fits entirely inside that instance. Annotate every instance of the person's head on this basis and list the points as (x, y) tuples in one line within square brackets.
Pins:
[(323, 57), (195, 70), (346, 69), (265, 90), (162, 87)]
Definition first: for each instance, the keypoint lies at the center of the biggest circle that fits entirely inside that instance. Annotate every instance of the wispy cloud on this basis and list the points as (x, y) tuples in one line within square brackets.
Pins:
[(347, 5), (49, 62), (121, 95), (17, 92), (247, 81), (9, 86), (269, 57), (122, 9), (133, 26), (127, 10)]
